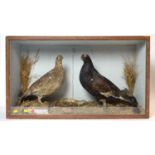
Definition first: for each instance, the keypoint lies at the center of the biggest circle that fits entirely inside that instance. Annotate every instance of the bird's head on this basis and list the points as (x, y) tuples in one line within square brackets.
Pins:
[(59, 60), (86, 58)]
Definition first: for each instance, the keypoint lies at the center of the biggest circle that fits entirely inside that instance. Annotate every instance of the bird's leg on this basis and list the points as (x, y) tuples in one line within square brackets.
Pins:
[(104, 103), (39, 99)]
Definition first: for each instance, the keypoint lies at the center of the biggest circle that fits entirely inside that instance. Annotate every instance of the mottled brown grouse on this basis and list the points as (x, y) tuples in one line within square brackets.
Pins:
[(48, 84)]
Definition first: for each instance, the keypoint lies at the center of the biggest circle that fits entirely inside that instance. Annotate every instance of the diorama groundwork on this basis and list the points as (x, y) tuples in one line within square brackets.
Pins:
[(72, 106)]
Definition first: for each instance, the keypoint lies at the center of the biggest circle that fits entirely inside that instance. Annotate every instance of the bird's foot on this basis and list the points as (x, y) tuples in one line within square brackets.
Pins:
[(40, 100), (104, 103)]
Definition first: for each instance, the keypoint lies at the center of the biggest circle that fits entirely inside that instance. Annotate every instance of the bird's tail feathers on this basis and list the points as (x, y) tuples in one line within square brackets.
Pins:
[(127, 100), (27, 97)]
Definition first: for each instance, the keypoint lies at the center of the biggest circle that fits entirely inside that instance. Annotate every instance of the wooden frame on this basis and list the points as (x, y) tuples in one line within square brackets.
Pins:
[(42, 38)]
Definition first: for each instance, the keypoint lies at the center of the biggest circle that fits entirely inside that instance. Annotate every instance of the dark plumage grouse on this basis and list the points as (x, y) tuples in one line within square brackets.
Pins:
[(100, 87)]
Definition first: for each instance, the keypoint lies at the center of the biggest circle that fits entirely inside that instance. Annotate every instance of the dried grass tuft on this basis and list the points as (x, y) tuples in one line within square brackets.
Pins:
[(130, 75), (26, 64)]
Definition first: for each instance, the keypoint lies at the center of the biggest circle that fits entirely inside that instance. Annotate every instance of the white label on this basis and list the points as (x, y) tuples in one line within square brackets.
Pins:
[(41, 111)]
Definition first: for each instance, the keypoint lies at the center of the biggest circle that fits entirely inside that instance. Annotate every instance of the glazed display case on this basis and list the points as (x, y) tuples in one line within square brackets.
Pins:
[(77, 76)]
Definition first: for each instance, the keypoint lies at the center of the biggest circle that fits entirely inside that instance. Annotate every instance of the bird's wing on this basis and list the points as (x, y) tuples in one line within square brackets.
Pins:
[(44, 78), (48, 83), (104, 85)]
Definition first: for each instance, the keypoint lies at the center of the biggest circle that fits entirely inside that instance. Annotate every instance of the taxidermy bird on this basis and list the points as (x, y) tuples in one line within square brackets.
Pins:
[(100, 87), (46, 85)]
